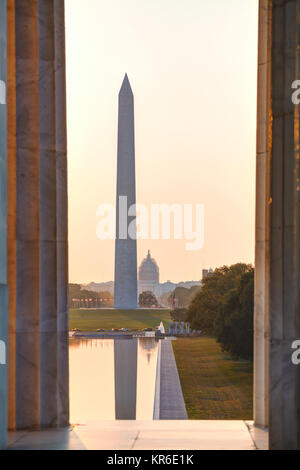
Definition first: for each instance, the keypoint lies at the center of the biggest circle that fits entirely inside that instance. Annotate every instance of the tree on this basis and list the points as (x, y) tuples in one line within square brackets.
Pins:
[(147, 299), (207, 304), (181, 297), (224, 308), (178, 314), (234, 325)]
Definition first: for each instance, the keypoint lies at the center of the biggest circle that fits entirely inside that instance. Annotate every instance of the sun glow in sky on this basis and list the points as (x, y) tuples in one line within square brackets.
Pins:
[(192, 65)]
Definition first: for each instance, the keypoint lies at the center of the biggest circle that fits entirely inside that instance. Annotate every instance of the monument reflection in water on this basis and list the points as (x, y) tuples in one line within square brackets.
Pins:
[(112, 379)]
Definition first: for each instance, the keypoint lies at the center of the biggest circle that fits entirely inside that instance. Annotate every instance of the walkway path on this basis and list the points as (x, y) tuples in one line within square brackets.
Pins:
[(172, 404)]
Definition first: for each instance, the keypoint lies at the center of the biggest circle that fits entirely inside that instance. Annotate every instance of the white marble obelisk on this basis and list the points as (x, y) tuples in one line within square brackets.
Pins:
[(126, 249)]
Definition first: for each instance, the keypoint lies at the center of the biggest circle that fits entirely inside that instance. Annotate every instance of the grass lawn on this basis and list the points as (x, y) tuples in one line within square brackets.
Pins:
[(214, 385), (91, 320)]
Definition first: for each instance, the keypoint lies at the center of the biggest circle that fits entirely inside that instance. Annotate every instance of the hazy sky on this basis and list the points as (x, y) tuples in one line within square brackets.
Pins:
[(192, 65)]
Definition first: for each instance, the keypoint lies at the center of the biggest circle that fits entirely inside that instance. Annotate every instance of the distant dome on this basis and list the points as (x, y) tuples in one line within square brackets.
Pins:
[(149, 270)]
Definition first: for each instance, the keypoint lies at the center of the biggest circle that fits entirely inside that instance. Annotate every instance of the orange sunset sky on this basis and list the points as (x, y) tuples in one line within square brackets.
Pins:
[(192, 65)]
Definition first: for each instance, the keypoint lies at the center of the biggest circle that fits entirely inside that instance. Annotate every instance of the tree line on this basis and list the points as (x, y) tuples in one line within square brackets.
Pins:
[(79, 297), (223, 308)]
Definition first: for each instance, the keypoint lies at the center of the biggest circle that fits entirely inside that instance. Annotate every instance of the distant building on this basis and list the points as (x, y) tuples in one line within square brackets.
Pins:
[(149, 276), (207, 273), (164, 287), (100, 286), (168, 287)]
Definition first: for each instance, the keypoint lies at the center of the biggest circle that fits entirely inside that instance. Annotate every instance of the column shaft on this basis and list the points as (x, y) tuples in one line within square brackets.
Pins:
[(27, 256), (261, 304), (284, 232), (11, 208), (3, 229), (37, 213), (61, 214), (47, 215)]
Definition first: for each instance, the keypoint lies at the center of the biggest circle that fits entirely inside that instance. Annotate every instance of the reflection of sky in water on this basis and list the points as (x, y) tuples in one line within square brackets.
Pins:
[(146, 375), (92, 388)]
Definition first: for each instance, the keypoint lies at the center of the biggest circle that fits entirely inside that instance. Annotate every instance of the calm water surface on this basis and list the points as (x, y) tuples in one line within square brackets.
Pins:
[(112, 379)]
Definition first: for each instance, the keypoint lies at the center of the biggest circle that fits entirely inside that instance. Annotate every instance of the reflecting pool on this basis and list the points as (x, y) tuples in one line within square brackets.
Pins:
[(112, 379)]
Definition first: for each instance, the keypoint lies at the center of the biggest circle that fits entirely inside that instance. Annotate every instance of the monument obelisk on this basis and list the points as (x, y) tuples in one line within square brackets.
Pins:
[(125, 296)]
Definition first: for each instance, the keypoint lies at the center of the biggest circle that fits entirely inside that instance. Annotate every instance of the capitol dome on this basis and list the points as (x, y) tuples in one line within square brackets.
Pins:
[(149, 270)]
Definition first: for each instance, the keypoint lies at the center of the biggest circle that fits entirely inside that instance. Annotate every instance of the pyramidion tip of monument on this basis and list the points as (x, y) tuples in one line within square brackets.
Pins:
[(126, 88)]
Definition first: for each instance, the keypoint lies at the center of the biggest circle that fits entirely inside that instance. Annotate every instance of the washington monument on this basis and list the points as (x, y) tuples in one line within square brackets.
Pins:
[(125, 296)]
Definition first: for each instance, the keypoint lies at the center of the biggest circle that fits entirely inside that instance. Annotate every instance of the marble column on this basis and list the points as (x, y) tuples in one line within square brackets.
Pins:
[(284, 228), (47, 216), (27, 262), (61, 215), (11, 206), (3, 229), (261, 304), (37, 215)]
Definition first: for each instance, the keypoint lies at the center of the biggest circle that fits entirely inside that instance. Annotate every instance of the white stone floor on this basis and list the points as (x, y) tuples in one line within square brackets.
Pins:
[(145, 435)]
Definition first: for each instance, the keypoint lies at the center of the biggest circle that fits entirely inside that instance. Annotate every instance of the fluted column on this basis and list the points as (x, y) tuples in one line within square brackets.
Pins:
[(47, 215), (284, 229), (27, 173), (11, 207), (37, 215), (61, 214), (261, 309), (3, 229)]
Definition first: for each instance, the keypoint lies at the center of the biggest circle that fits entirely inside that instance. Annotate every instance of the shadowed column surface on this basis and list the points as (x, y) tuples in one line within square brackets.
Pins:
[(37, 215), (3, 228)]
